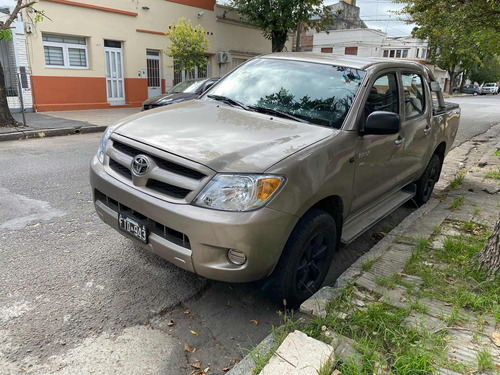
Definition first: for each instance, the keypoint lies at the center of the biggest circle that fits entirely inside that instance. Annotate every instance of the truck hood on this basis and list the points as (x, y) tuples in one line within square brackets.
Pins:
[(223, 138)]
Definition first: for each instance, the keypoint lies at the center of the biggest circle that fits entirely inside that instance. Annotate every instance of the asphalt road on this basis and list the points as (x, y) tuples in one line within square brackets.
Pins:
[(76, 297)]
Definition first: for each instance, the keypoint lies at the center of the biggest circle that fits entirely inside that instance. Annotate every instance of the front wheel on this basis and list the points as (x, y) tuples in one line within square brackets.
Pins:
[(306, 258), (425, 185)]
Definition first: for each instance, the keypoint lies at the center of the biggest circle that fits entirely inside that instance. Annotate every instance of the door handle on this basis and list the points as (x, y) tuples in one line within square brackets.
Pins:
[(427, 130), (399, 141)]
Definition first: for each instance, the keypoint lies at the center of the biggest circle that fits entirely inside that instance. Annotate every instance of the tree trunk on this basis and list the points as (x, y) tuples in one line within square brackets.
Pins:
[(278, 40), (452, 80), (6, 119), (297, 42), (489, 256)]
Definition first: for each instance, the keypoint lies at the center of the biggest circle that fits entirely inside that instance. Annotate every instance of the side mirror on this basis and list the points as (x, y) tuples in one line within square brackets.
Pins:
[(381, 122), (208, 86), (435, 86)]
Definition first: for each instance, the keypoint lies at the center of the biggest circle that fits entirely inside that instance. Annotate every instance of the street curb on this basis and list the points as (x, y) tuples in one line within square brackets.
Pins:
[(42, 133)]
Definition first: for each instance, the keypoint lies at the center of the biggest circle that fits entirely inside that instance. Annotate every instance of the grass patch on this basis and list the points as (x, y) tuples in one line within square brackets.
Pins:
[(496, 153), (457, 202), (495, 175), (369, 264), (451, 273), (381, 338), (485, 361), (457, 181)]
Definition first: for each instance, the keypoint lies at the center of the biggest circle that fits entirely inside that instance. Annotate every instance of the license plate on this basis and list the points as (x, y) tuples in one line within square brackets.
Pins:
[(133, 228)]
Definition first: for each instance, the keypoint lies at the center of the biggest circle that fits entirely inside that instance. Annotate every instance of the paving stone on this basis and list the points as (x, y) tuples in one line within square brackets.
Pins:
[(418, 321), (444, 371), (463, 213), (464, 346), (396, 297), (344, 349), (316, 305), (299, 354), (416, 281)]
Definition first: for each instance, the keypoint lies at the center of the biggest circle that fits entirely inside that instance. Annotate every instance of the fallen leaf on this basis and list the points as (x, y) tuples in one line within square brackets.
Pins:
[(448, 304), (193, 351), (148, 325), (78, 192), (187, 348), (206, 370), (497, 366), (186, 312), (171, 323), (495, 336), (336, 372), (254, 322), (194, 333), (227, 368), (196, 365)]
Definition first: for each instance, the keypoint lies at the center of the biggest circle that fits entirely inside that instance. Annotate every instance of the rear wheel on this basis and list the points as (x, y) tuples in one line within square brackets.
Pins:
[(306, 258), (425, 185)]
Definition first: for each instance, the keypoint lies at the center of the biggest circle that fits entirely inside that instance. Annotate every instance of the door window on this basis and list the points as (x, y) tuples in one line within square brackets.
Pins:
[(383, 95), (413, 95)]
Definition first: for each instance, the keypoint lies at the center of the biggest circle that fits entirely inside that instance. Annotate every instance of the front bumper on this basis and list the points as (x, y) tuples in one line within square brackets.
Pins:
[(202, 237)]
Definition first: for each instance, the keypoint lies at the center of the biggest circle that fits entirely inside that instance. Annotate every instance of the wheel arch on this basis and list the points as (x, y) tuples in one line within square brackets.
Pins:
[(334, 206)]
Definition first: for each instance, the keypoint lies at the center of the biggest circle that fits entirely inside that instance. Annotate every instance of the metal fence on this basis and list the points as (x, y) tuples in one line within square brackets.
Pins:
[(11, 81)]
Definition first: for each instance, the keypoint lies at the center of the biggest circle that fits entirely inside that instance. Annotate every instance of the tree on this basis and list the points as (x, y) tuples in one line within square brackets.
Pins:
[(187, 46), (489, 257), (278, 18), (488, 71), (6, 119), (461, 33)]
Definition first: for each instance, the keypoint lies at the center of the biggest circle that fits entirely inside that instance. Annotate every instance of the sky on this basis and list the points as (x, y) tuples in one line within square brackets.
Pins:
[(376, 15)]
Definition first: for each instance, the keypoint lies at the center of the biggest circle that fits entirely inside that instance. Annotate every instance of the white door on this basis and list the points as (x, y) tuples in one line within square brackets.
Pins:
[(114, 76), (154, 73)]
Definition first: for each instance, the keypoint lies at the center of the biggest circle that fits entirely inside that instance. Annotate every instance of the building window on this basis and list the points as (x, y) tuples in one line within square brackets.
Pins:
[(63, 51), (238, 62), (182, 75), (327, 50), (397, 53), (351, 51)]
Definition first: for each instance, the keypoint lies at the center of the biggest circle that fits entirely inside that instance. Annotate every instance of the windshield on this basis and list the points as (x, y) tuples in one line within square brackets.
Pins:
[(186, 86), (489, 85), (318, 93)]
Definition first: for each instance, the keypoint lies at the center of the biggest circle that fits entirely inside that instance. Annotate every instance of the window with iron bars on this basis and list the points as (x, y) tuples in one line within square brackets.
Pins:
[(182, 75)]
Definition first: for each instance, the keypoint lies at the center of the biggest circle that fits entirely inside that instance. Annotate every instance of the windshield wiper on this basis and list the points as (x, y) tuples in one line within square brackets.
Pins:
[(275, 112), (229, 101)]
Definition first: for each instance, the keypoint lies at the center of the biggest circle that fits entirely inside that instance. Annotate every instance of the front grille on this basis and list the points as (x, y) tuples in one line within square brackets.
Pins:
[(157, 182), (163, 164), (153, 226), (164, 188), (120, 169)]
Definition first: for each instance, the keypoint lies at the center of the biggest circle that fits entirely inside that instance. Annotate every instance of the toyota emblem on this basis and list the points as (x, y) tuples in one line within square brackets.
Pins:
[(140, 165)]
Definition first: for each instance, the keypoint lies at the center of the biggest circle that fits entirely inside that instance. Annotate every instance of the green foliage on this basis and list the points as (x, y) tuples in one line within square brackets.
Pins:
[(461, 34), (187, 45), (487, 71), (279, 17)]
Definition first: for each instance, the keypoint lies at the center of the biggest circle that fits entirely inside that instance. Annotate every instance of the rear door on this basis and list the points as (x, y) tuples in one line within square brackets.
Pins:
[(415, 127)]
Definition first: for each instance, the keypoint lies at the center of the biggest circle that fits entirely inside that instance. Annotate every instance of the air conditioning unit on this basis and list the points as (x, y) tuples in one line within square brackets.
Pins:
[(223, 57)]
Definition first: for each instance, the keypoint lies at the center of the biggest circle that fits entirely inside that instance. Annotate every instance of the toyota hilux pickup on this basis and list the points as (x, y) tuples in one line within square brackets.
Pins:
[(268, 172)]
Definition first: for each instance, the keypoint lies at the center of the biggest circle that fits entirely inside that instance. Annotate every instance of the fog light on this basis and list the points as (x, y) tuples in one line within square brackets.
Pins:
[(236, 257)]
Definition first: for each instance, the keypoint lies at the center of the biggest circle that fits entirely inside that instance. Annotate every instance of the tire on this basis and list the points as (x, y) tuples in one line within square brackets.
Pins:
[(474, 93), (306, 258), (425, 185)]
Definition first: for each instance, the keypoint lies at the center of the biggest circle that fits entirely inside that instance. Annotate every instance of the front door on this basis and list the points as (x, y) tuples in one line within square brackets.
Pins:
[(154, 73), (114, 72), (377, 156)]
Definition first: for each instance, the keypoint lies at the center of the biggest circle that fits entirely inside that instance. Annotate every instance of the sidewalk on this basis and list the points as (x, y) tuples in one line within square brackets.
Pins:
[(404, 307), (51, 124)]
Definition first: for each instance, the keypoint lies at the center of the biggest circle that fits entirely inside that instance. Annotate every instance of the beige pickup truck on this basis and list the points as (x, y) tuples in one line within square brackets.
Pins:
[(270, 170)]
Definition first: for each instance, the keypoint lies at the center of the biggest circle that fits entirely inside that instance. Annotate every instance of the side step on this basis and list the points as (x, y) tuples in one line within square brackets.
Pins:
[(364, 220)]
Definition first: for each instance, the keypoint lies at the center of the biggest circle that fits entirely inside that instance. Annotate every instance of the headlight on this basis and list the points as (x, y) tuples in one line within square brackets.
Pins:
[(102, 144), (238, 192)]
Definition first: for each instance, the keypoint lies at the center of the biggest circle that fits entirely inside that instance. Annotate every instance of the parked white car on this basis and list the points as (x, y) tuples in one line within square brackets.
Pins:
[(490, 88)]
